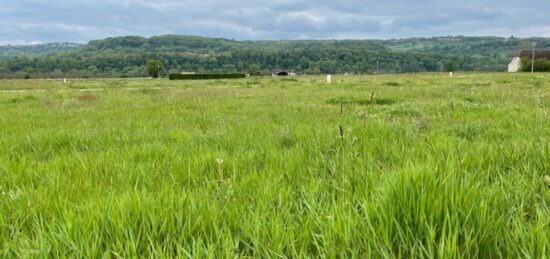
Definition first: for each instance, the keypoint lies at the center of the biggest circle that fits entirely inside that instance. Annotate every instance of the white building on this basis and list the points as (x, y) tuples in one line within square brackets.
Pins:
[(514, 65), (515, 61)]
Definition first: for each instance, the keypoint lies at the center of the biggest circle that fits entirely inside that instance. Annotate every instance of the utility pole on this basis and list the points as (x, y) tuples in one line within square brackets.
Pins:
[(533, 58), (377, 62), (158, 71)]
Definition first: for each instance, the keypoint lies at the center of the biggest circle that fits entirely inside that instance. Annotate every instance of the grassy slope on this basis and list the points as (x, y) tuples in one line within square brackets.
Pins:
[(441, 167)]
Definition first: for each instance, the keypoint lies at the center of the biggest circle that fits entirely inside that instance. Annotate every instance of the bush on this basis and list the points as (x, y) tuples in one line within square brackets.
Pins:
[(541, 65), (205, 76)]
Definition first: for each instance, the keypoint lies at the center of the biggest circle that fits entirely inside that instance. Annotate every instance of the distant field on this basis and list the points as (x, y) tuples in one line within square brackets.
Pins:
[(371, 166)]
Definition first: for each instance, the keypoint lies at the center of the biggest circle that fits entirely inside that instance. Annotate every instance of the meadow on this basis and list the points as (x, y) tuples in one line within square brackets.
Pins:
[(388, 166)]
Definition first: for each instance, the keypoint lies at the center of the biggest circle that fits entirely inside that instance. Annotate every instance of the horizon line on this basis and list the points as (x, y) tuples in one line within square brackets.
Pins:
[(17, 43)]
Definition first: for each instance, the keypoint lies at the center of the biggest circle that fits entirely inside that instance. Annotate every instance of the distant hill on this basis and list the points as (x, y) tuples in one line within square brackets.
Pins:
[(36, 50), (126, 56)]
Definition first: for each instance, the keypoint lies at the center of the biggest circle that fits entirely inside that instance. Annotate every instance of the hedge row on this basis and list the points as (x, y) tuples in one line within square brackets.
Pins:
[(204, 76)]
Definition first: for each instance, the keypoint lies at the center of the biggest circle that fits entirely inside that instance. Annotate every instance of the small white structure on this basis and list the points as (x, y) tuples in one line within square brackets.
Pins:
[(514, 65), (329, 79)]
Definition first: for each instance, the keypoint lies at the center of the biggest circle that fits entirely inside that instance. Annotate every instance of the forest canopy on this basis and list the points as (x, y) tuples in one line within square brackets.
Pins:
[(128, 56)]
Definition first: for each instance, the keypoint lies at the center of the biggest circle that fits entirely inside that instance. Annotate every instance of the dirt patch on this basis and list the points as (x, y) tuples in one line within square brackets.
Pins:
[(360, 100), (86, 98)]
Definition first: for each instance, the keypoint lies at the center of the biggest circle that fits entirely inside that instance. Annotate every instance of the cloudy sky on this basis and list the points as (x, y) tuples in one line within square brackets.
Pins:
[(36, 21)]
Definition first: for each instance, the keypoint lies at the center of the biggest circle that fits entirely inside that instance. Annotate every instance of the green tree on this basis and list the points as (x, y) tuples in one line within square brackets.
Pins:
[(540, 65), (449, 65), (255, 70), (154, 68), (525, 64)]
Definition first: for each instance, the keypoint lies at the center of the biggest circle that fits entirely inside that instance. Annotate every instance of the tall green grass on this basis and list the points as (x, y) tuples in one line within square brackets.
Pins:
[(443, 167)]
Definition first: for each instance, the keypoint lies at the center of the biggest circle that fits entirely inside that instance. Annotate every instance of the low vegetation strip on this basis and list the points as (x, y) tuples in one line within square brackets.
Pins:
[(360, 101), (205, 76)]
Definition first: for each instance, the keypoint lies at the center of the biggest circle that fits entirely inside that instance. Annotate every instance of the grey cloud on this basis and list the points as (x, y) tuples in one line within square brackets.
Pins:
[(84, 20)]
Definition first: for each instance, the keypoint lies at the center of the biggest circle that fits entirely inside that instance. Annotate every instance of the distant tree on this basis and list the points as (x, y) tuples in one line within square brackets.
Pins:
[(525, 64), (449, 65), (57, 73), (4, 70), (541, 65), (74, 73), (228, 68), (154, 68), (255, 70), (366, 69), (313, 70)]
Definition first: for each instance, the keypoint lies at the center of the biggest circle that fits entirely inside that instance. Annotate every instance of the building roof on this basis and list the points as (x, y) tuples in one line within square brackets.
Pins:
[(543, 53)]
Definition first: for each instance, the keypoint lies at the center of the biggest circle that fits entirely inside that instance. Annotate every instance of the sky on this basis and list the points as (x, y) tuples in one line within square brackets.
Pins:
[(41, 21)]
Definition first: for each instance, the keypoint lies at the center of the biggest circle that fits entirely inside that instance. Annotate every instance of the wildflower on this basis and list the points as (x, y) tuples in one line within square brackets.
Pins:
[(15, 195), (219, 160), (547, 180)]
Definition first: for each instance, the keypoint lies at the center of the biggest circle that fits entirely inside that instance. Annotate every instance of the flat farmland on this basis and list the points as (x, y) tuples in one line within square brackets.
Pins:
[(420, 165)]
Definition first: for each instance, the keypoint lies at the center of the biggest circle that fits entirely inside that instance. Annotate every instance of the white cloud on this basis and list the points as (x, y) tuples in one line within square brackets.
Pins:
[(83, 20)]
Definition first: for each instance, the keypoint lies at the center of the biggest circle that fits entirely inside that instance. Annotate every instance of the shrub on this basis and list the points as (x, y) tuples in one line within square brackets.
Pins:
[(205, 76), (391, 83), (541, 65)]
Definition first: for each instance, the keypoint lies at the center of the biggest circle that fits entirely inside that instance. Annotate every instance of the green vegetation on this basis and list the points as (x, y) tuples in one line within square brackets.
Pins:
[(406, 166), (205, 76), (540, 65), (154, 68), (127, 56), (7, 52)]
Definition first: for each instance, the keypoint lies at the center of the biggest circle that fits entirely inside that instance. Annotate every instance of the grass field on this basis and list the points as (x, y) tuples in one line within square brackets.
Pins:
[(373, 166)]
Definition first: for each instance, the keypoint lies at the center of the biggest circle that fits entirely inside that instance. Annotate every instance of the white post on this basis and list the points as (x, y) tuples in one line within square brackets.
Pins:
[(65, 80), (450, 73), (329, 79)]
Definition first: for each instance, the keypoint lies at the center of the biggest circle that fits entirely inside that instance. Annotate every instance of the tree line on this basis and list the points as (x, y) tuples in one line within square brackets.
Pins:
[(128, 56)]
